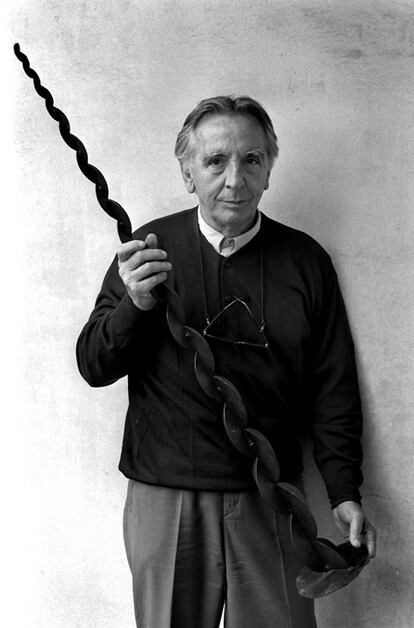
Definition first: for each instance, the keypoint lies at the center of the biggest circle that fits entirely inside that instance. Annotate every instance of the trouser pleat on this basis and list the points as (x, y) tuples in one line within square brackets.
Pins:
[(198, 592), (261, 568)]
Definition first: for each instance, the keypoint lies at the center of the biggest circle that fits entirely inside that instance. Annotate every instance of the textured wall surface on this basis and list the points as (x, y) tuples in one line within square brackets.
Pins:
[(337, 79)]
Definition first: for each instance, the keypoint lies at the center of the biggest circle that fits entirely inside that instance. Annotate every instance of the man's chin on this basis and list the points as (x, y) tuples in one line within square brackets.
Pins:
[(233, 221)]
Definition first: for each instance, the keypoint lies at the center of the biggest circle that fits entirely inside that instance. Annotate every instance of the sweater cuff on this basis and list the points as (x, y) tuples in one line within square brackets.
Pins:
[(127, 319), (354, 496)]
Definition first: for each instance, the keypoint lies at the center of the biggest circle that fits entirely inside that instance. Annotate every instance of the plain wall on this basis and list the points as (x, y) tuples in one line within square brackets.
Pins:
[(337, 79)]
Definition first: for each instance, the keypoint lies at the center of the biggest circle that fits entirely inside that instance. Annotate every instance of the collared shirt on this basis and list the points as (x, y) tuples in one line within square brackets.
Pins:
[(223, 245)]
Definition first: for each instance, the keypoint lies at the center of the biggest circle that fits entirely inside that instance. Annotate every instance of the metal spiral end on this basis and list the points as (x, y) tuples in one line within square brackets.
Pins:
[(111, 207)]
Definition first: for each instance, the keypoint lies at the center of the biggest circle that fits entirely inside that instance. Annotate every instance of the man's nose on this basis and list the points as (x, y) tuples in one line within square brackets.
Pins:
[(234, 176)]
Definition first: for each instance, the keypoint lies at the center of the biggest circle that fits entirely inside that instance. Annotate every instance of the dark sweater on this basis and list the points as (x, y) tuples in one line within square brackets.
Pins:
[(174, 434)]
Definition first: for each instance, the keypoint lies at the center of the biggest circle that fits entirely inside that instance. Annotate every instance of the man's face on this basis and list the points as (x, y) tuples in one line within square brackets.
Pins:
[(229, 170)]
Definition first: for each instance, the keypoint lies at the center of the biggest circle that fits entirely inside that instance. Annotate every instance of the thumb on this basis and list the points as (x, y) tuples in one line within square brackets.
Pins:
[(151, 241), (355, 531)]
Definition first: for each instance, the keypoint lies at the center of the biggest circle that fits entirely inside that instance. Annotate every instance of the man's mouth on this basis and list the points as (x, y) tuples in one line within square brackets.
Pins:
[(232, 202)]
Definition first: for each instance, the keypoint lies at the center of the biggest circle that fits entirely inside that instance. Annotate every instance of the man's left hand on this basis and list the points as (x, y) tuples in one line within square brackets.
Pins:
[(353, 524)]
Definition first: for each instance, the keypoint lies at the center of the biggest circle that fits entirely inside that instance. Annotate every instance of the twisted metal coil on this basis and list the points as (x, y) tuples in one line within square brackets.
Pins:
[(326, 567), (112, 208)]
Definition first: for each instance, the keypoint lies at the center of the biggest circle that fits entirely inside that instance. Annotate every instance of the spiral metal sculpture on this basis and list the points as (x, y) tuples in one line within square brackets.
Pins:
[(114, 209), (326, 567)]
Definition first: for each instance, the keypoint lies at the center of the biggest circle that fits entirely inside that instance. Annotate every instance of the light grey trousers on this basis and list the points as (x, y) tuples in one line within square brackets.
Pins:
[(192, 551)]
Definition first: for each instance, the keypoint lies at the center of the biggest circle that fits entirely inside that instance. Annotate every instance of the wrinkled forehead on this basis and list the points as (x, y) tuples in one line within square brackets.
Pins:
[(223, 133)]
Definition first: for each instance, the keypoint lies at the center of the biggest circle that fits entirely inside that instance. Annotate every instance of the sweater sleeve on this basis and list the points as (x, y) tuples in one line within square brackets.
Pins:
[(116, 335), (337, 415)]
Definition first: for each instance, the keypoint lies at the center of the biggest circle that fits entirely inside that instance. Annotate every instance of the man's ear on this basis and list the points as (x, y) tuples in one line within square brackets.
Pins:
[(266, 187), (186, 172)]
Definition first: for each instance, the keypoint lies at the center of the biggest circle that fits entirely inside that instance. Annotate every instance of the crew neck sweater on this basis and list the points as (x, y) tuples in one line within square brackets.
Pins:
[(306, 381)]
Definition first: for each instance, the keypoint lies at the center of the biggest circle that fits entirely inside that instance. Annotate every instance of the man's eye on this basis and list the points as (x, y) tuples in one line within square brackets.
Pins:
[(215, 161), (253, 160)]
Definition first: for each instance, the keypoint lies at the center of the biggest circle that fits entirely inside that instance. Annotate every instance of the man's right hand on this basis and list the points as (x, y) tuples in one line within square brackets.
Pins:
[(142, 266)]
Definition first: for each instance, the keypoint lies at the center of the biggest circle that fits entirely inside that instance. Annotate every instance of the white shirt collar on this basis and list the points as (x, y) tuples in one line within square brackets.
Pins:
[(223, 245)]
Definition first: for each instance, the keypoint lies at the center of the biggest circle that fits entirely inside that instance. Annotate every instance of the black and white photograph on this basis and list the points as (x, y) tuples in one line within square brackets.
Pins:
[(208, 313)]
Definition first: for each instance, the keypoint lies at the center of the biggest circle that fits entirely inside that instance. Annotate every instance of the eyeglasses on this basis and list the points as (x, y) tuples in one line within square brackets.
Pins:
[(208, 331)]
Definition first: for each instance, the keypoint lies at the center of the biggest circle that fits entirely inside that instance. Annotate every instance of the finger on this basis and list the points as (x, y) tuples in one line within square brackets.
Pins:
[(141, 257), (371, 541), (129, 248), (355, 531), (148, 284), (149, 268), (151, 241)]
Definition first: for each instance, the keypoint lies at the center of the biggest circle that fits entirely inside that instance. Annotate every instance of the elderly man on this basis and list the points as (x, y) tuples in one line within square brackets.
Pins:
[(266, 298)]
